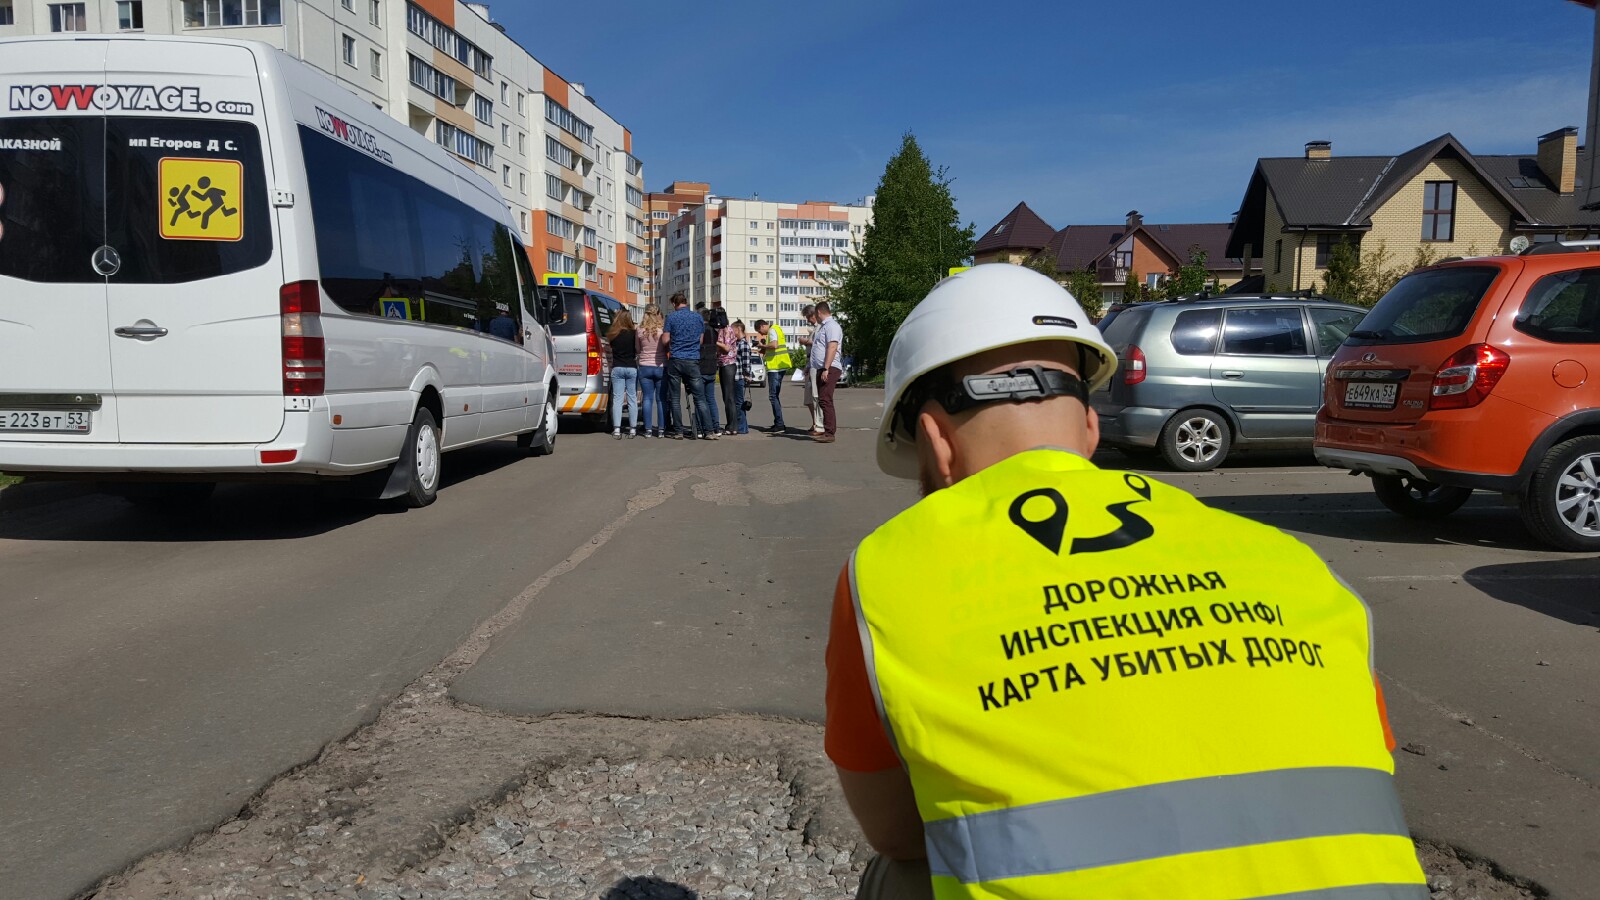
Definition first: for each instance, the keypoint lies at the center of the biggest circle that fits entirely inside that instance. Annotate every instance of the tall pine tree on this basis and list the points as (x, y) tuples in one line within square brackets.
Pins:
[(916, 236)]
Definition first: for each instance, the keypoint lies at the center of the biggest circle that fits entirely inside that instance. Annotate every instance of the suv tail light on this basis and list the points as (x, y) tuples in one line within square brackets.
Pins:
[(1133, 372), (594, 353), (1467, 377), (304, 355)]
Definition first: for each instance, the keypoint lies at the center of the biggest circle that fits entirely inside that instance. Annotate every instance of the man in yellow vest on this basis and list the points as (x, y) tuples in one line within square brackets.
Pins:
[(775, 346), (1046, 680)]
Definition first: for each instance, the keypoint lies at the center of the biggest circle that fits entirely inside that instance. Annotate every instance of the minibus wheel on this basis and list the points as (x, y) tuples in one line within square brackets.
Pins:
[(420, 460)]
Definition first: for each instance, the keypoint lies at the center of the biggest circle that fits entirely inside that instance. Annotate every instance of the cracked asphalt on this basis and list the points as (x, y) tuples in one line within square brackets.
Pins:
[(637, 601)]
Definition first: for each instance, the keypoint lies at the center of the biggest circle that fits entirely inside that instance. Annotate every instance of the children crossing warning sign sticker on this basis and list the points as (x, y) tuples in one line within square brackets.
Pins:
[(203, 199)]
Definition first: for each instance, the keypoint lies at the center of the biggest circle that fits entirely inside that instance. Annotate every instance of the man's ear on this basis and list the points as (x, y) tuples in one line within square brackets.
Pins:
[(936, 441), (1091, 431)]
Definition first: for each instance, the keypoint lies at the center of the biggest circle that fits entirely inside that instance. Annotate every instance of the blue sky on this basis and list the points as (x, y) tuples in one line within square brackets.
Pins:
[(1084, 110)]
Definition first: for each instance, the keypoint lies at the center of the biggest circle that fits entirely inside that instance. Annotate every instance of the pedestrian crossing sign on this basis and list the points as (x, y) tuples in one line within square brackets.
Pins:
[(561, 279), (396, 308), (203, 199)]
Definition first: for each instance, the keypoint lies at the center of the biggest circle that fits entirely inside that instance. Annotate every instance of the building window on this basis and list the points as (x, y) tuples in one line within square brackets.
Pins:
[(505, 134), (522, 182), (6, 16), (555, 188), (483, 109), (433, 81), (1277, 257), (1325, 245), (229, 13), (442, 36), (349, 4), (755, 242), (522, 107), (1439, 211), (505, 175), (504, 88), (522, 143), (68, 17), (348, 52), (522, 217), (130, 15), (376, 62), (375, 12), (752, 290)]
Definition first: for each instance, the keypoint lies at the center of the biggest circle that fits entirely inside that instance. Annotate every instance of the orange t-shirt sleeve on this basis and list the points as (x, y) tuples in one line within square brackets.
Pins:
[(855, 738)]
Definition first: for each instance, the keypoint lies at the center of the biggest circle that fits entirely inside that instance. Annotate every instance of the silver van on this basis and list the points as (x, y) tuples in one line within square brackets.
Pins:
[(583, 355), (1200, 377)]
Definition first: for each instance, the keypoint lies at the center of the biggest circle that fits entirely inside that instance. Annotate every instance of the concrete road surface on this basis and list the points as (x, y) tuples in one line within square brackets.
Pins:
[(160, 670)]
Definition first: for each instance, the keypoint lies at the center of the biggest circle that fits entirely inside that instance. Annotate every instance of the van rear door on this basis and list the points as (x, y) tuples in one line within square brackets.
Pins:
[(195, 334), (55, 354)]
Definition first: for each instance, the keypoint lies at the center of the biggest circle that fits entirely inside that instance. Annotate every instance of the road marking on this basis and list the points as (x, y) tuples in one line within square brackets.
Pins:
[(468, 652), (1497, 578)]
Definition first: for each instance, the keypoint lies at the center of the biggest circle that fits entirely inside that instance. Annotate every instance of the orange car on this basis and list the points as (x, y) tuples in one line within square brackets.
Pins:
[(1478, 374)]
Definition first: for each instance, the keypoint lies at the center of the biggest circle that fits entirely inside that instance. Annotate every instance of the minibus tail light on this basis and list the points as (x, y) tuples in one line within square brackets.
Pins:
[(304, 354), (594, 351)]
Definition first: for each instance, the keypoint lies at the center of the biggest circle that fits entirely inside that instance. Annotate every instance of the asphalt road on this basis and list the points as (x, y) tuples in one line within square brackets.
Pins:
[(160, 670)]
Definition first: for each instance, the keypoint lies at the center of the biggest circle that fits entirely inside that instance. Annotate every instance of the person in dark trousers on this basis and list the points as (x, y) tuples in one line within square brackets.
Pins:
[(728, 373), (828, 364), (681, 335), (710, 351), (775, 349)]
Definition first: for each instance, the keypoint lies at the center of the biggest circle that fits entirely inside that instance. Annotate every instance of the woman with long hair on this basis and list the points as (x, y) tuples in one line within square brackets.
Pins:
[(652, 370), (624, 373)]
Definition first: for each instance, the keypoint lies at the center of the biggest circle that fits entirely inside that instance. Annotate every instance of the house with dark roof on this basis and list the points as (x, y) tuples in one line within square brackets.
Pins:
[(1017, 236), (1146, 254), (1437, 196)]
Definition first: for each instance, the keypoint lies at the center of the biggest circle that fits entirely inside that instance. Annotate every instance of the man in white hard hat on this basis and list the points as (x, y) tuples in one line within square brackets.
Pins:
[(1047, 680)]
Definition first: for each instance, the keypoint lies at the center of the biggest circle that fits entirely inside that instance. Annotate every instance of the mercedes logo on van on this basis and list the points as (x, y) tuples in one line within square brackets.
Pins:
[(106, 261), (1370, 357)]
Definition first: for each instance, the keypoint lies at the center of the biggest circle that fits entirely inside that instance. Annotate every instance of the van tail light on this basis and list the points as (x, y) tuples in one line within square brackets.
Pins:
[(1467, 377), (304, 355), (594, 353), (1133, 372)]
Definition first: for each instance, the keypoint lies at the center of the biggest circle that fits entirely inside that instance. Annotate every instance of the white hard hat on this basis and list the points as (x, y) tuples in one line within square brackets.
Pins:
[(984, 308)]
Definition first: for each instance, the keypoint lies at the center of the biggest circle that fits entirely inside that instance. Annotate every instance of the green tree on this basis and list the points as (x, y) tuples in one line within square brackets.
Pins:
[(1084, 286), (1342, 280), (1190, 277), (1044, 262), (1362, 277), (1132, 290), (916, 236)]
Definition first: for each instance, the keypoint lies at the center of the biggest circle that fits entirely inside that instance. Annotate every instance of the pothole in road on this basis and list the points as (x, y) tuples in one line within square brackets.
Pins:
[(660, 828)]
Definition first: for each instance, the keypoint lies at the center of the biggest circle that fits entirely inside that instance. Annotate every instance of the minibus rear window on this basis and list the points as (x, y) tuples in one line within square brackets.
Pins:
[(178, 199), (577, 314), (52, 198)]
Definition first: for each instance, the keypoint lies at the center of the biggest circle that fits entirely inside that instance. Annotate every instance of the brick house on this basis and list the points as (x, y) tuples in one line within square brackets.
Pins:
[(1437, 195), (1148, 253)]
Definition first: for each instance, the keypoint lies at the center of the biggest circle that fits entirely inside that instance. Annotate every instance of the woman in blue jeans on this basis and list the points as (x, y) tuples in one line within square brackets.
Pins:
[(624, 373), (652, 370)]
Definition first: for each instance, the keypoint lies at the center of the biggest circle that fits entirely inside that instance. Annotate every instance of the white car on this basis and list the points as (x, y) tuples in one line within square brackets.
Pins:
[(216, 264)]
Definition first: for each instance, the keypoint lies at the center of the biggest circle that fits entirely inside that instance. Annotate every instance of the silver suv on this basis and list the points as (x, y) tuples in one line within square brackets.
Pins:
[(1199, 377)]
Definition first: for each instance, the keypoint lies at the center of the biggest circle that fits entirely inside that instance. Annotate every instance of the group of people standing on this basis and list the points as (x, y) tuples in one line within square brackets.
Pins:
[(653, 362)]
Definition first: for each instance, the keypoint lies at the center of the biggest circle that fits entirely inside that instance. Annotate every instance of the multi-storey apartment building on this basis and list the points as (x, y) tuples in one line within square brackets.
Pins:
[(444, 67), (663, 207), (763, 259)]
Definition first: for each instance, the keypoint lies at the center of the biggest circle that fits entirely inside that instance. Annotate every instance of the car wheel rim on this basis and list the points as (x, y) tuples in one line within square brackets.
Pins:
[(552, 424), (1578, 495), (1199, 440), (427, 458)]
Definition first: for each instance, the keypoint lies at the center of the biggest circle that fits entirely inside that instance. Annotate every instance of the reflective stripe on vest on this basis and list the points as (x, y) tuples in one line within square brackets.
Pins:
[(1163, 820), (1101, 687), (778, 359)]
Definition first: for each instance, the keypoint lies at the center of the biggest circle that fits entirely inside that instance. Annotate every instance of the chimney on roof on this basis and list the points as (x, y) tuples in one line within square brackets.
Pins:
[(1319, 149), (1134, 219), (1558, 158)]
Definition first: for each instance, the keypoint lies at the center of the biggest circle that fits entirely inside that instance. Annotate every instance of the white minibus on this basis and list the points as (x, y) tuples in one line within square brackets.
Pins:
[(218, 265)]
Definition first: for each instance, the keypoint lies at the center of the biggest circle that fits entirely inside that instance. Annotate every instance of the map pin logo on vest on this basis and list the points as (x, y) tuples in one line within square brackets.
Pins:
[(1049, 530), (1139, 484)]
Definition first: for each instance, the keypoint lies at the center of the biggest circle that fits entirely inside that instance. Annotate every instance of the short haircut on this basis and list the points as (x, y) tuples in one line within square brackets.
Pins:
[(824, 307), (679, 299), (761, 322), (807, 310)]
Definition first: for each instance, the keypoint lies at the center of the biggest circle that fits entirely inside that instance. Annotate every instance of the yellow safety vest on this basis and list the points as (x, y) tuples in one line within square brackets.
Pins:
[(1102, 688), (778, 360)]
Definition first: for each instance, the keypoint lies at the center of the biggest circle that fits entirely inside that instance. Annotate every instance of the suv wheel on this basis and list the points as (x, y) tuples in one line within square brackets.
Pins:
[(1418, 499), (1561, 504), (1195, 440)]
